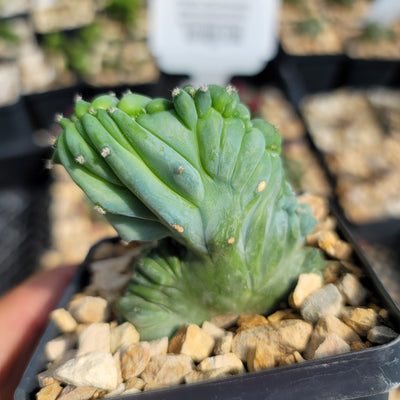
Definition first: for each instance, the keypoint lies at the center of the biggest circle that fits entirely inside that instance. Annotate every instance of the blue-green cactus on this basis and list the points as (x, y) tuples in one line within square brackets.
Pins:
[(200, 176)]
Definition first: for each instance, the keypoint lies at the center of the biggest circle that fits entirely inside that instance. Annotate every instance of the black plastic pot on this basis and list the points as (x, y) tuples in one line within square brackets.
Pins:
[(24, 219), (365, 374), (316, 72), (15, 129), (42, 107), (370, 72)]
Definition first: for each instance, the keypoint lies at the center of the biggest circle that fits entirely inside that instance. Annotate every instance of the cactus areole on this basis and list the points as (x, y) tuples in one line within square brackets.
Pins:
[(204, 180)]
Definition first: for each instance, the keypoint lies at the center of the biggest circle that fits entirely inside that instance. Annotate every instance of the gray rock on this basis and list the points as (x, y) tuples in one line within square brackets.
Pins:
[(381, 334), (323, 302)]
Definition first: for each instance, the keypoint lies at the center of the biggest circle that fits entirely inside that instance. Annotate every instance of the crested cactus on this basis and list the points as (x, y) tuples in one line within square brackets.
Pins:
[(204, 180)]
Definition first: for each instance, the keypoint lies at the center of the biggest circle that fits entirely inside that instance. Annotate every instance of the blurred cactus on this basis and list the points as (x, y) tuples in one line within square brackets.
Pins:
[(203, 178)]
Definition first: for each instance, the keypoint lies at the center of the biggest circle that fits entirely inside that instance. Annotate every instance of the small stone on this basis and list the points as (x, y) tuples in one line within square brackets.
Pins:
[(192, 341), (319, 205), (56, 347), (158, 346), (135, 359), (293, 358), (95, 369), (64, 320), (135, 382), (116, 392), (260, 357), (332, 345), (275, 318), (89, 309), (117, 361), (213, 330), (330, 242), (131, 391), (49, 392), (323, 302), (95, 337), (352, 290), (307, 284), (359, 345), (45, 378), (249, 338), (225, 321), (381, 334), (360, 319), (324, 327), (293, 334), (223, 345), (229, 361), (77, 393), (251, 320), (202, 376), (124, 334), (163, 371)]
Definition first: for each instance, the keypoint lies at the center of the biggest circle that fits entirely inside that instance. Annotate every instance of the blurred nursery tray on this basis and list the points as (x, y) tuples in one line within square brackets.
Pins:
[(331, 377), (24, 222), (356, 133)]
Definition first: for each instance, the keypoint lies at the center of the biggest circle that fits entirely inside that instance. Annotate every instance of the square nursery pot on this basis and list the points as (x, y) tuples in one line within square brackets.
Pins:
[(363, 374), (311, 73), (371, 72)]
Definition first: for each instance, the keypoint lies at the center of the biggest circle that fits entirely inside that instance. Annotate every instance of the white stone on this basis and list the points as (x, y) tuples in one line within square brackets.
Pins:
[(88, 309), (123, 335), (223, 345), (332, 345), (213, 330), (56, 347), (95, 337), (95, 369), (353, 291), (158, 346), (231, 362)]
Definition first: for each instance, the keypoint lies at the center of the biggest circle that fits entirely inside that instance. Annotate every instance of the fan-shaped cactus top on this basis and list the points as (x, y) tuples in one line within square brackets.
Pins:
[(198, 169)]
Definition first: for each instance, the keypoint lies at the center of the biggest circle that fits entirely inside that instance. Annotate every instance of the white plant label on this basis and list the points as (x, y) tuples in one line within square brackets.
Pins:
[(212, 40)]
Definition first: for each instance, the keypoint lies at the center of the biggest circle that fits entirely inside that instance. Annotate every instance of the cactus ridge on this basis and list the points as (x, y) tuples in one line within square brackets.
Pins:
[(200, 176)]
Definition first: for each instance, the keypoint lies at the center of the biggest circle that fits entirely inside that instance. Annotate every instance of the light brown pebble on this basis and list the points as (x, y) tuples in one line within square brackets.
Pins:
[(360, 319), (163, 371), (230, 361), (134, 382), (213, 330), (293, 334), (202, 376), (359, 345), (223, 345), (135, 359), (307, 284), (116, 392), (159, 346), (124, 334), (89, 309), (353, 291), (77, 393), (49, 392), (192, 341), (330, 242), (246, 321), (260, 357), (225, 321), (64, 320)]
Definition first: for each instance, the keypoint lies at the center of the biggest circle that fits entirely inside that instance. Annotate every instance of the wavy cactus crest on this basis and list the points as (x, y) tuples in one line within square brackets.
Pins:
[(199, 170)]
